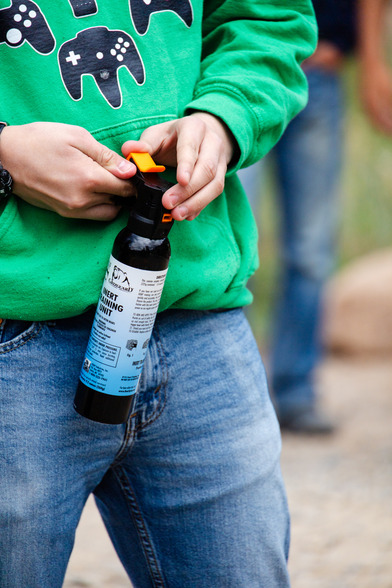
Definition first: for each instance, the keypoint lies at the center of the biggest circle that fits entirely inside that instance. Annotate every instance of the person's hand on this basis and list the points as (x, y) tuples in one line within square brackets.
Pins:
[(200, 146), (63, 168), (376, 94), (327, 57)]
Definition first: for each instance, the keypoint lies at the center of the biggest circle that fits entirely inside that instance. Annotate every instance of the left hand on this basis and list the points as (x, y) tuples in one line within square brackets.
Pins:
[(200, 146), (327, 57), (376, 94)]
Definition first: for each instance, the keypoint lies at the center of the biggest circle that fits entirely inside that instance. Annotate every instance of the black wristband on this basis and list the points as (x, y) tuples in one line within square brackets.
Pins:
[(5, 176)]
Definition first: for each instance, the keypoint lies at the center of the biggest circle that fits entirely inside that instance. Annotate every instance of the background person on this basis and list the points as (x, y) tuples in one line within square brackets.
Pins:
[(308, 161)]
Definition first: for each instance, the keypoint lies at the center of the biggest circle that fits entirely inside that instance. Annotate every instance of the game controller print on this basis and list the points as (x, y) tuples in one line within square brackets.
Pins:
[(99, 52), (141, 11), (83, 8), (24, 21)]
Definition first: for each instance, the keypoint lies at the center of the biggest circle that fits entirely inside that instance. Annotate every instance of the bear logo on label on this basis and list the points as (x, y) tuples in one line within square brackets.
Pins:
[(119, 279)]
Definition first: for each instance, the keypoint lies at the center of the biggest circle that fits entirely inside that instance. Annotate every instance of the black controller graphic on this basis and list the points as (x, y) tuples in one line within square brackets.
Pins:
[(23, 21), (141, 11), (83, 7), (99, 52)]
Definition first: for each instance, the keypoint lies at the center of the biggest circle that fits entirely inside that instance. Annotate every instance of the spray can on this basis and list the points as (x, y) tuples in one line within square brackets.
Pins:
[(128, 304)]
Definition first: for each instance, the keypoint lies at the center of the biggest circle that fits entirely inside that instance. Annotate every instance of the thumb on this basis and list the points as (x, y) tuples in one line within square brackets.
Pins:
[(109, 160), (135, 146)]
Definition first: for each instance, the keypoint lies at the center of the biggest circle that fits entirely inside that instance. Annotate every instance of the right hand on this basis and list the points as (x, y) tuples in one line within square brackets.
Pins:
[(200, 146), (63, 168)]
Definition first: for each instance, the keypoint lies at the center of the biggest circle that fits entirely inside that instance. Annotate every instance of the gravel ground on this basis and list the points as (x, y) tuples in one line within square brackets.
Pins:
[(339, 490)]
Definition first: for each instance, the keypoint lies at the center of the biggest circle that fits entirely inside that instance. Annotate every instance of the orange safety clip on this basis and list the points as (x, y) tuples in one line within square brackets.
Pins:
[(145, 162)]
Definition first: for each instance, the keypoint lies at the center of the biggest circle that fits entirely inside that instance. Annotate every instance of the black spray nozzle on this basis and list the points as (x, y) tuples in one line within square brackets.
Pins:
[(148, 217)]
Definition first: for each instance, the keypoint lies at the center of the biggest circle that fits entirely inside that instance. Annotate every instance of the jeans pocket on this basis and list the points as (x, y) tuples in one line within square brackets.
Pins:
[(14, 333)]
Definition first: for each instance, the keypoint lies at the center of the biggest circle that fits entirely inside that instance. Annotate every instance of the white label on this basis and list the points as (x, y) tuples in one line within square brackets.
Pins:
[(122, 328)]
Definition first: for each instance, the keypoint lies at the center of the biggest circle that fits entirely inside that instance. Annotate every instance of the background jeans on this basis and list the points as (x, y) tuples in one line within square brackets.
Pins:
[(308, 162), (190, 488)]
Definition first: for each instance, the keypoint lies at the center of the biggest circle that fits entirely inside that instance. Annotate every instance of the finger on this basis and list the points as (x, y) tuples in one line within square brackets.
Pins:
[(114, 186), (91, 186), (106, 211), (92, 180), (105, 157), (135, 146), (102, 212), (161, 141), (192, 206), (191, 135), (103, 209), (204, 172)]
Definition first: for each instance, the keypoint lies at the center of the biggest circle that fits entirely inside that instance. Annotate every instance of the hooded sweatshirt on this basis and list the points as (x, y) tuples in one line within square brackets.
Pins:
[(116, 68)]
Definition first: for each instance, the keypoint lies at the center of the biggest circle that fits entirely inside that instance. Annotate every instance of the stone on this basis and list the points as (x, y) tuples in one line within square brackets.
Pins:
[(358, 306)]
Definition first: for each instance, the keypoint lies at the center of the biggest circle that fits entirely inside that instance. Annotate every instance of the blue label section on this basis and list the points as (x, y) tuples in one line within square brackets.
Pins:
[(122, 329)]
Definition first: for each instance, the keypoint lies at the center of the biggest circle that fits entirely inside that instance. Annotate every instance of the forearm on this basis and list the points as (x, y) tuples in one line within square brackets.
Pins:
[(375, 80)]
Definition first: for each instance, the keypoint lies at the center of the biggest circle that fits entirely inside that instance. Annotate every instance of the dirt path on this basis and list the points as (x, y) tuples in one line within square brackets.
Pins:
[(339, 489)]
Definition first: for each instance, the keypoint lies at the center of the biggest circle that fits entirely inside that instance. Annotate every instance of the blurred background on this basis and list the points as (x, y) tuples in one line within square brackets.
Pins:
[(339, 485), (365, 216)]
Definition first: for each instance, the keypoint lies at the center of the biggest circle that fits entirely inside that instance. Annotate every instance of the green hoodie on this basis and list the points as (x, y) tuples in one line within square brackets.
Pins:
[(237, 59)]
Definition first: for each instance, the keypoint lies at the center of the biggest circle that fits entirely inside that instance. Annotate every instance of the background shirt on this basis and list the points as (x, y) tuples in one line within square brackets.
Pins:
[(336, 22)]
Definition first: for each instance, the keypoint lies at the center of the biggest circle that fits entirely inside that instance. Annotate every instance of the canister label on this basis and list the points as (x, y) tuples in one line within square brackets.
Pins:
[(122, 328)]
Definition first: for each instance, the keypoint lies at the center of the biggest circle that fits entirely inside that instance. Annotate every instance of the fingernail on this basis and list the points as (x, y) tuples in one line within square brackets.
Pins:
[(183, 210), (186, 176), (173, 201), (125, 166)]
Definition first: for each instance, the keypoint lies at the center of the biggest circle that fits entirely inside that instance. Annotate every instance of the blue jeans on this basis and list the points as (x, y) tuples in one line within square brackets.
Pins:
[(308, 163), (190, 488)]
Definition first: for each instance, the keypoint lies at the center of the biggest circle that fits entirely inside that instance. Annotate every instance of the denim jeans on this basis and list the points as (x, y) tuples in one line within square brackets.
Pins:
[(190, 488), (308, 163)]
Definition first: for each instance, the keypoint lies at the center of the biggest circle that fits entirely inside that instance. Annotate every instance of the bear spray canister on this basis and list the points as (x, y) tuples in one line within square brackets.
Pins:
[(127, 307)]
